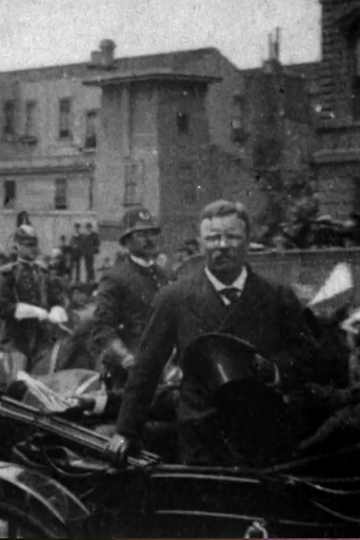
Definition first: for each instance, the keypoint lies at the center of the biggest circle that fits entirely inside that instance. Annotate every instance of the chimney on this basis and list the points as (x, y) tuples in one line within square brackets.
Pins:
[(107, 48), (103, 58), (272, 64), (277, 45)]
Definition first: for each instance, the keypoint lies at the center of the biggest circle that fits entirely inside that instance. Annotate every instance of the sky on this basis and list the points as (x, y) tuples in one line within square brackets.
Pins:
[(49, 32)]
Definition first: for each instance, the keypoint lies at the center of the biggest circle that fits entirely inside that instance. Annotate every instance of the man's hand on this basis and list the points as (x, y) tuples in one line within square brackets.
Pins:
[(118, 449), (58, 315), (264, 369), (126, 358), (86, 402), (128, 361)]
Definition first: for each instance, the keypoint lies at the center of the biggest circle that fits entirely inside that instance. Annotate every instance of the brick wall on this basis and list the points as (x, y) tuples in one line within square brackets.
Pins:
[(337, 63)]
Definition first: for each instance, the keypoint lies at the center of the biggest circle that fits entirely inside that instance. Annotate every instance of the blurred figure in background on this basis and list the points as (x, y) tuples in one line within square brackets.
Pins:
[(77, 251), (28, 302), (57, 263), (66, 251), (105, 267), (22, 218), (91, 247), (188, 249)]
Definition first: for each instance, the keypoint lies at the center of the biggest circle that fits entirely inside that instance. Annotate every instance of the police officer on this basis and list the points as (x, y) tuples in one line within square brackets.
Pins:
[(126, 292), (28, 302)]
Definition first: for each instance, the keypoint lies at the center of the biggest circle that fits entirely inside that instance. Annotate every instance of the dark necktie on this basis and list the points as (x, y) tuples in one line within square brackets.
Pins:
[(231, 293)]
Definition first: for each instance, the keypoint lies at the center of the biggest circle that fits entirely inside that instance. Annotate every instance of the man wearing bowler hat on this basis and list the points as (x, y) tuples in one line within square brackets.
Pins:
[(225, 296), (125, 293)]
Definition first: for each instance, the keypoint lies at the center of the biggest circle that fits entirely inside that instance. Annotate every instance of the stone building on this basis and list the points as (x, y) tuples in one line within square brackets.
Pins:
[(337, 157), (172, 131), (47, 149), (178, 130)]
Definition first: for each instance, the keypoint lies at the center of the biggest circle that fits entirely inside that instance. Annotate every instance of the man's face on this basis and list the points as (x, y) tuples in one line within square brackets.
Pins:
[(225, 243), (143, 244), (27, 252)]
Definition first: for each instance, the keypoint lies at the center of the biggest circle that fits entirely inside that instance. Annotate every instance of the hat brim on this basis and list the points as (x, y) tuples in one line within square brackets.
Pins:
[(126, 234)]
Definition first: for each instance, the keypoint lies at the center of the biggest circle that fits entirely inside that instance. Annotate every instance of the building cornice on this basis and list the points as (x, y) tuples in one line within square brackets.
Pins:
[(29, 170), (343, 155), (337, 124)]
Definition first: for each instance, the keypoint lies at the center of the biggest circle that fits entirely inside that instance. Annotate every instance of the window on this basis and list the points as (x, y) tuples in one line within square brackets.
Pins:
[(9, 194), (90, 135), (65, 119), (134, 183), (356, 83), (60, 201), (30, 118), (91, 193), (188, 184), (182, 122), (9, 118)]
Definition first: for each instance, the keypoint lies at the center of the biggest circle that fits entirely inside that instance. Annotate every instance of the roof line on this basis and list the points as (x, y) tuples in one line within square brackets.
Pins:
[(116, 60)]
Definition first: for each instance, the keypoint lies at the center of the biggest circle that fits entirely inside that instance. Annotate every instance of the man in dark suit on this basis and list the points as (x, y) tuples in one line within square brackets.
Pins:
[(91, 246), (77, 251), (126, 292), (228, 297)]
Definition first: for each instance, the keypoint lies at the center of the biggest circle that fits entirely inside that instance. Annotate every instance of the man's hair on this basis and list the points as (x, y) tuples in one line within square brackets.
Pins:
[(89, 225), (224, 208), (77, 225), (63, 237)]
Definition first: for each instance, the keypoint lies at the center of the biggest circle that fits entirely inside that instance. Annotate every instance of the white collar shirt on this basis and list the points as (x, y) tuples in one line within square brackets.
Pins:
[(142, 262), (238, 284)]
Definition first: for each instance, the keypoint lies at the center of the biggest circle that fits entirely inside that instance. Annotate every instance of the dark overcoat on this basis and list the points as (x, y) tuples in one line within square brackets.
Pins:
[(267, 315), (123, 302)]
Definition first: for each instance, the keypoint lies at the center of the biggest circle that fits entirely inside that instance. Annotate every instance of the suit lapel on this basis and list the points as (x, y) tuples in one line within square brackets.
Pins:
[(206, 303)]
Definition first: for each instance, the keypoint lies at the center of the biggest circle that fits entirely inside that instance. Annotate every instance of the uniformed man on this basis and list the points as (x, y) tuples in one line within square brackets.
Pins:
[(28, 303), (126, 292)]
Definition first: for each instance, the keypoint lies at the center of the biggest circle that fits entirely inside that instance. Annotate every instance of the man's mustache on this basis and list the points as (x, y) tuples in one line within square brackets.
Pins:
[(222, 255)]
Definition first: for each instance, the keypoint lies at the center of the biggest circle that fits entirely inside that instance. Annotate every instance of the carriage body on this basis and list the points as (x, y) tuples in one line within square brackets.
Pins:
[(86, 497)]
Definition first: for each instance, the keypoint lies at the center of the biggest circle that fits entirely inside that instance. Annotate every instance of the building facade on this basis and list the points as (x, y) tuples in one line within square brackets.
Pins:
[(172, 131), (337, 156)]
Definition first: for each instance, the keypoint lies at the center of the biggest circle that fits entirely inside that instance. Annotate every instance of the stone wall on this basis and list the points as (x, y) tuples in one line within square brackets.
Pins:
[(305, 268)]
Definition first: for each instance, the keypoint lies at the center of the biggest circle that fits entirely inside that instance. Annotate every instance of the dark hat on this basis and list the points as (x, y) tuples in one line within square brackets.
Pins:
[(217, 360), (26, 235), (138, 219), (252, 416)]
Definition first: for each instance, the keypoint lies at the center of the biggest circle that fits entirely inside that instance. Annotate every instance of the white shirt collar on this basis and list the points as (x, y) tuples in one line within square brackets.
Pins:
[(218, 286), (141, 262)]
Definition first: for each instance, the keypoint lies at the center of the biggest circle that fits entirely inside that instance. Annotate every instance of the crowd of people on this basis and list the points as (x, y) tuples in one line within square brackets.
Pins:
[(146, 321)]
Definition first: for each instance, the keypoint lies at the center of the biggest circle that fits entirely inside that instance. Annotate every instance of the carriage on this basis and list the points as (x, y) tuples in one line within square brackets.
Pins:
[(56, 482)]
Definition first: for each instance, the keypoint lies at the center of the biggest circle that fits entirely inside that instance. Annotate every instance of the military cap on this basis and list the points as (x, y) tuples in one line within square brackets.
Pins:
[(137, 219), (26, 235)]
